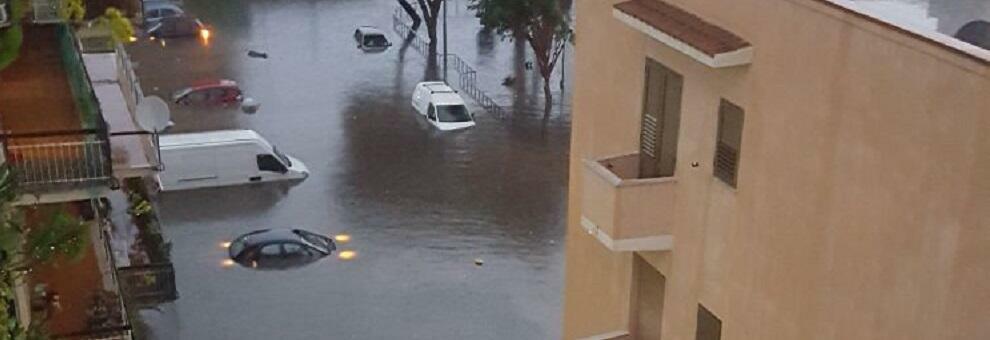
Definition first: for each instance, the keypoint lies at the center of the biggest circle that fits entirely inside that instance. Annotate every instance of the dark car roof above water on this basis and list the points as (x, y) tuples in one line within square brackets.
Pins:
[(269, 235)]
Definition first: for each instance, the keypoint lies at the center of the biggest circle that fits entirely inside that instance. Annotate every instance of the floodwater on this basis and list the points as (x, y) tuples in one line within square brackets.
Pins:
[(420, 205)]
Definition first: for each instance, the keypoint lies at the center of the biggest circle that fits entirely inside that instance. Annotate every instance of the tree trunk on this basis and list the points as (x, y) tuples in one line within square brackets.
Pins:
[(548, 97), (411, 12), (431, 32)]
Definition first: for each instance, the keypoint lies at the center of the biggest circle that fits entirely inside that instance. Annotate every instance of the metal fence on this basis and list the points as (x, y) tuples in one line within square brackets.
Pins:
[(46, 11), (147, 285), (79, 82), (467, 76), (45, 160), (118, 333)]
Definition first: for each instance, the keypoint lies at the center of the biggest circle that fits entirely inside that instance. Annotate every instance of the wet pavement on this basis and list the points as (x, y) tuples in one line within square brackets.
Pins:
[(421, 205)]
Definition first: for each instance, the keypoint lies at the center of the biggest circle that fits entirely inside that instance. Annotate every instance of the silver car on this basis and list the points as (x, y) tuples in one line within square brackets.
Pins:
[(371, 39), (155, 11)]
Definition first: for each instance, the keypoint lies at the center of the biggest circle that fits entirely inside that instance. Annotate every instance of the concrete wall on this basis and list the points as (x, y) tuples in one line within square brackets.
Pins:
[(861, 210)]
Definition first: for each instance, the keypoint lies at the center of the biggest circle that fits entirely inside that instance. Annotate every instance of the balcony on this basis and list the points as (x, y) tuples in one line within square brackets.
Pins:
[(66, 118), (625, 212), (59, 166), (78, 298)]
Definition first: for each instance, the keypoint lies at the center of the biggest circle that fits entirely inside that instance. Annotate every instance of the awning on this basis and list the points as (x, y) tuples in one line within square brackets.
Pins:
[(705, 42)]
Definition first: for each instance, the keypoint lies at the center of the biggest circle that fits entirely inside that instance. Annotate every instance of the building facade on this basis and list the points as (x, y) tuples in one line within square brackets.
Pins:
[(777, 169), (70, 138)]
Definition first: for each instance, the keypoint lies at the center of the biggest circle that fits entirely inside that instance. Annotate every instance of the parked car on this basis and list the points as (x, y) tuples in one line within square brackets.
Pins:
[(371, 39), (442, 106), (279, 248), (176, 27), (213, 92), (221, 158), (155, 11)]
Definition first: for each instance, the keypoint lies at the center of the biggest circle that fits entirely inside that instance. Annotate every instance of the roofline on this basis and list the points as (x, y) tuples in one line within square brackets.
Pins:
[(939, 40)]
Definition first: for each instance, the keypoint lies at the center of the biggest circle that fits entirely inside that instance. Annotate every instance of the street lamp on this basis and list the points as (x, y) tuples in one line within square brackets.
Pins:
[(445, 42)]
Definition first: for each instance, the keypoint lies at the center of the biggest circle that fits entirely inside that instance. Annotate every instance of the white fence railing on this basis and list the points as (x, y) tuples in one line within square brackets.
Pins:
[(45, 164), (46, 11)]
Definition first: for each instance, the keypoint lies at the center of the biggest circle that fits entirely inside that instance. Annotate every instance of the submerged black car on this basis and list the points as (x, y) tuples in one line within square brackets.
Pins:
[(279, 248)]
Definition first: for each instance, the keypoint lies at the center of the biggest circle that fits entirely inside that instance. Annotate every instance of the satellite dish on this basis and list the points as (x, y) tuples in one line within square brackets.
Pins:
[(152, 114)]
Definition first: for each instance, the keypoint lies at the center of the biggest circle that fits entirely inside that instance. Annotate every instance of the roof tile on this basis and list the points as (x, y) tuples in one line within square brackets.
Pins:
[(684, 26)]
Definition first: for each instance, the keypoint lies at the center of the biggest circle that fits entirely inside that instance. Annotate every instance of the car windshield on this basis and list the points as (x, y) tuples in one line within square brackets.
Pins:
[(314, 239), (237, 246), (375, 40), (281, 156), (453, 113)]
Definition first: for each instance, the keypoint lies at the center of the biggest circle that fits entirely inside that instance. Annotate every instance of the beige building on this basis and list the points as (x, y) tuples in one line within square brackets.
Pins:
[(778, 169)]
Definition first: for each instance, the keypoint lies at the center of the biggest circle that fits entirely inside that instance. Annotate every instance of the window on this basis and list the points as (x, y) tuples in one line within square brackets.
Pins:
[(376, 40), (709, 326), (431, 112), (729, 142), (271, 250), (281, 156), (292, 249), (453, 113), (270, 163)]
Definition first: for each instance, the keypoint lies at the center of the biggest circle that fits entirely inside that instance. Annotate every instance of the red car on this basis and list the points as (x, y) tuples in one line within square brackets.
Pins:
[(219, 92)]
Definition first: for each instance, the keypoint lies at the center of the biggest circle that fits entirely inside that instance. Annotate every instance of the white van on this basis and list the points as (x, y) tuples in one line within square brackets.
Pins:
[(218, 158), (442, 106)]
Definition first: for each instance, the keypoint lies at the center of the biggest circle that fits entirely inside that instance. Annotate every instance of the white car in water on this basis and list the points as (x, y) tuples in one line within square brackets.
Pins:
[(442, 106)]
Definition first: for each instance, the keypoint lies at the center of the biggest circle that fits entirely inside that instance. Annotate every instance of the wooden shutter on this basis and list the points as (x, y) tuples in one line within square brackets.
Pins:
[(661, 121), (729, 142)]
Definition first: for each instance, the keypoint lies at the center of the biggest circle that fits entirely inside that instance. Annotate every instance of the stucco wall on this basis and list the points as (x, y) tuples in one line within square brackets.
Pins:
[(861, 209)]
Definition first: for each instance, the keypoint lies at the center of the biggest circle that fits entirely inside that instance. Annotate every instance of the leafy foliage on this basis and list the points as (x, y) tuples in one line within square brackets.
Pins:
[(120, 27), (72, 10), (22, 247), (542, 23), (12, 37)]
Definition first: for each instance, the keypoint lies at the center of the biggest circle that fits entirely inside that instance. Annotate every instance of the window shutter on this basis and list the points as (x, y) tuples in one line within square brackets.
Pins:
[(729, 142)]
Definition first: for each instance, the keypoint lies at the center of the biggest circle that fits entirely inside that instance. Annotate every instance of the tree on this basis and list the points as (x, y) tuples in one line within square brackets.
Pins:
[(411, 12), (12, 36), (431, 13), (23, 247), (542, 23), (72, 11)]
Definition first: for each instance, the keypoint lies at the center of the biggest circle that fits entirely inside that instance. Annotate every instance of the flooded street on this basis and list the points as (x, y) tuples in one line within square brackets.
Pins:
[(420, 205)]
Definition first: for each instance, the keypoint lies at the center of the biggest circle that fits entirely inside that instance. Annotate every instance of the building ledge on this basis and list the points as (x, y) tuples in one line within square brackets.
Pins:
[(614, 335), (705, 42), (133, 153), (649, 243)]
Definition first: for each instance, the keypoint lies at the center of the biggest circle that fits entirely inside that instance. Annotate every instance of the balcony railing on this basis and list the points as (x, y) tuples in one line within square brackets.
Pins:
[(46, 11), (61, 160), (148, 285), (624, 212), (121, 333)]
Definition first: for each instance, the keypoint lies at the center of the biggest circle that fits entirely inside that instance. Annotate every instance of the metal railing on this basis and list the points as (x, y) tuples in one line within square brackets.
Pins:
[(467, 76), (78, 76), (119, 333), (52, 160), (148, 285), (46, 11)]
